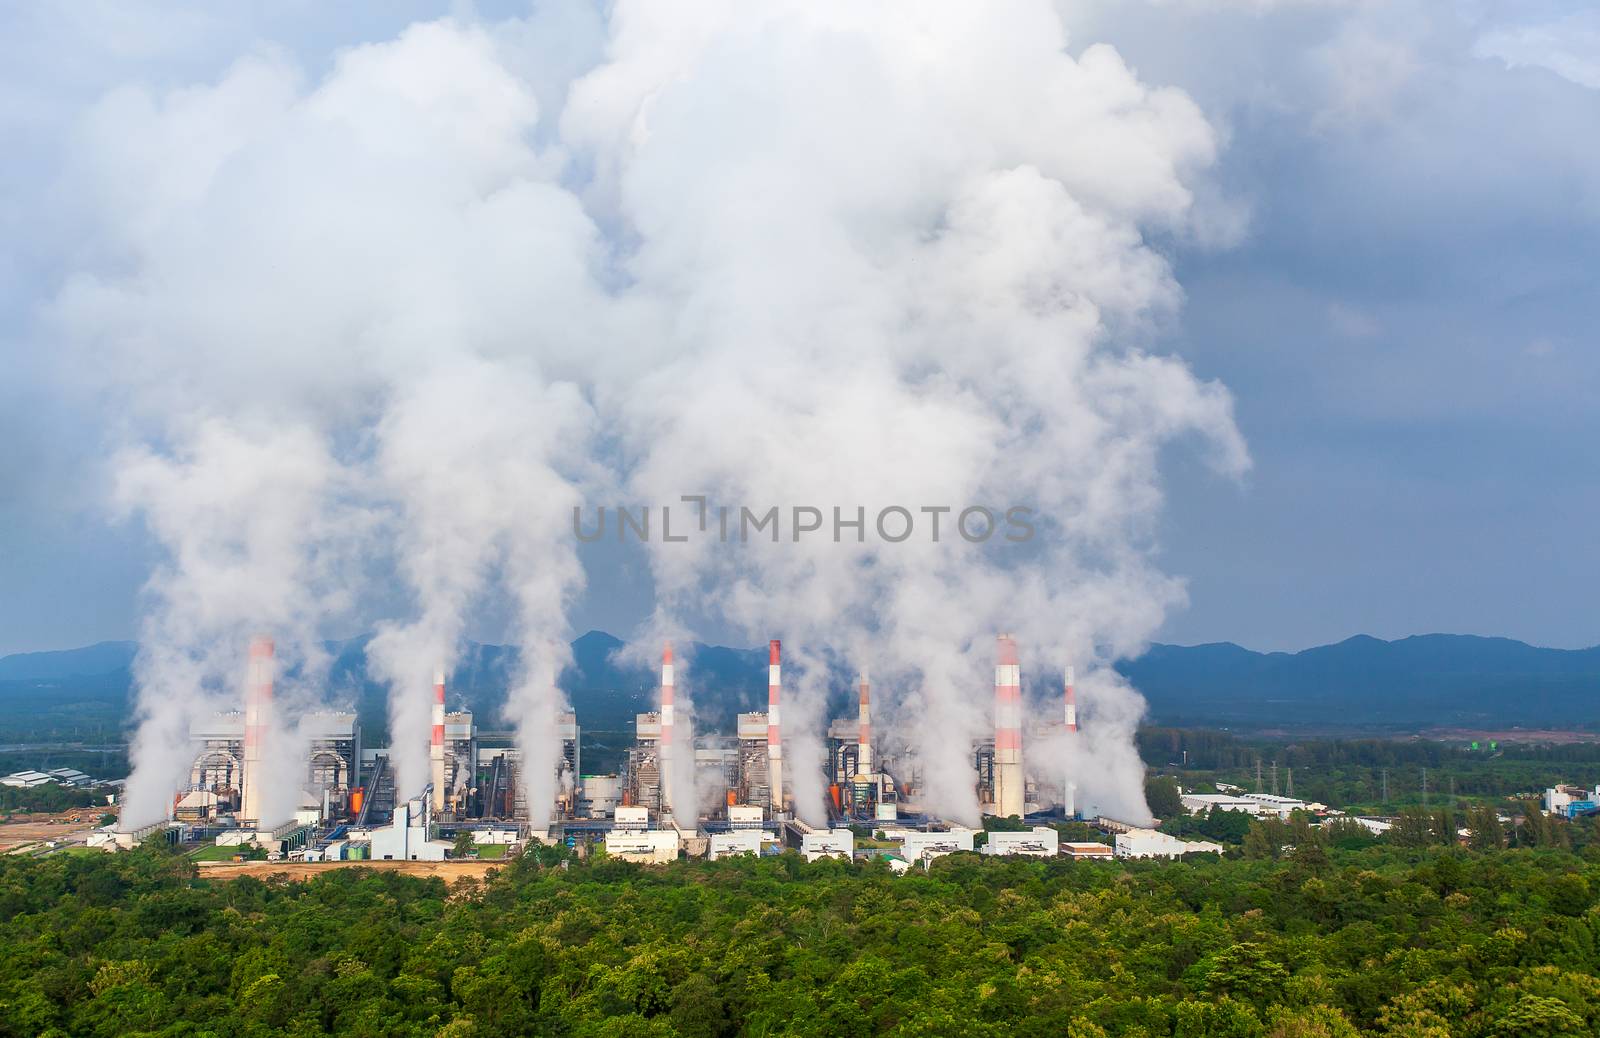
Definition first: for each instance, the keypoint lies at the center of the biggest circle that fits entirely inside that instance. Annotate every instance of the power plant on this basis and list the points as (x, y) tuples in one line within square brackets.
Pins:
[(314, 790)]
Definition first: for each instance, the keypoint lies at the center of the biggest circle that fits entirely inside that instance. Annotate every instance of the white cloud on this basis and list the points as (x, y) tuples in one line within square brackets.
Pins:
[(1569, 47)]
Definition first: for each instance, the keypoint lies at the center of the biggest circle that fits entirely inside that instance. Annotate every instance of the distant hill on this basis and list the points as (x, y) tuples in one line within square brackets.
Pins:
[(1436, 679), (99, 658), (1427, 679)]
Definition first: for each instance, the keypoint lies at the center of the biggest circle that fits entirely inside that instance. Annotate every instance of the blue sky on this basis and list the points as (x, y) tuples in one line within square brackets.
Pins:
[(1401, 294)]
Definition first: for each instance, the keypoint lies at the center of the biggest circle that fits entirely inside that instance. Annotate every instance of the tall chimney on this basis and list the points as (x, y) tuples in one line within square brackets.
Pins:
[(774, 732), (864, 745), (257, 718), (664, 751), (1069, 804), (1008, 783), (436, 744)]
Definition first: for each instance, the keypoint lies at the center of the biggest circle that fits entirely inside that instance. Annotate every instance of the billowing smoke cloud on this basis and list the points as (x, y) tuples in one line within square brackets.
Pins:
[(837, 256), (367, 288), (903, 277), (236, 566)]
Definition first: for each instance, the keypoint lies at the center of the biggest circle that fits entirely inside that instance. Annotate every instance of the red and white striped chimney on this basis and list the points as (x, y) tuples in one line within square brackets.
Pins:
[(665, 747), (864, 744), (257, 718), (1008, 782), (774, 730), (1072, 704), (436, 743)]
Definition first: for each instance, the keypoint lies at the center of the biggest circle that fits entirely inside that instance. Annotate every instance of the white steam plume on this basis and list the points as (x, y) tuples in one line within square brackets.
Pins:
[(909, 267), (377, 268), (250, 543), (853, 255)]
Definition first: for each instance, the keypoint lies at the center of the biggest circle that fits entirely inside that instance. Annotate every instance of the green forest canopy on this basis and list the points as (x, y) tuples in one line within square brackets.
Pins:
[(1383, 941)]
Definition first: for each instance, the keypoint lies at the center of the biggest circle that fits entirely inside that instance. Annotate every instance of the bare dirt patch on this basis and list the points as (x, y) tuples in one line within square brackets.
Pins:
[(22, 830), (449, 871)]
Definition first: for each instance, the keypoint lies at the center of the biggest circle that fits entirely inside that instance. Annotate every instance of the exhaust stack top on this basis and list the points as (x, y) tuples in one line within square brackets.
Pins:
[(1072, 704), (436, 743), (257, 719), (864, 745), (774, 725), (1008, 782), (664, 748)]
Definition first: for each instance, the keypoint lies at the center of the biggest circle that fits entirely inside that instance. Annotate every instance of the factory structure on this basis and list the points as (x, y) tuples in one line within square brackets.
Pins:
[(317, 791)]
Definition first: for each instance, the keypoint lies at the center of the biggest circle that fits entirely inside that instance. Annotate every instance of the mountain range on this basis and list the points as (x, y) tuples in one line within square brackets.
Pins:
[(1424, 681)]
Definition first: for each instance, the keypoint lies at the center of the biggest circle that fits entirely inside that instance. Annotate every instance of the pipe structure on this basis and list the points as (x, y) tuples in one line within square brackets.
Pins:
[(664, 752), (774, 729), (257, 718), (864, 744), (436, 743), (1008, 781), (1069, 805)]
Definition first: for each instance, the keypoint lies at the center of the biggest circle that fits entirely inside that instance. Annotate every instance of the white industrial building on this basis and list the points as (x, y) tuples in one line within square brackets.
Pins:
[(1202, 803), (1039, 842), (1148, 843), (830, 843), (919, 846), (599, 796), (406, 839), (632, 819), (1558, 798), (1283, 807), (737, 841), (26, 779), (644, 846)]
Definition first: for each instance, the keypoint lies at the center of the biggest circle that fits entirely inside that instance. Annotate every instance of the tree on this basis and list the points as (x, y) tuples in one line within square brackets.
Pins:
[(1161, 793), (1487, 832), (1414, 828), (465, 846)]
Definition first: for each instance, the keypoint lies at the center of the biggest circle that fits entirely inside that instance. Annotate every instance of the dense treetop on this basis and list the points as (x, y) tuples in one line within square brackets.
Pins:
[(1383, 940)]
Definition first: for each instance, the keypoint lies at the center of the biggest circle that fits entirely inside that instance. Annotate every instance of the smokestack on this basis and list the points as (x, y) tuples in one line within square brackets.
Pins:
[(436, 746), (1069, 804), (1008, 789), (664, 751), (864, 746), (257, 711), (774, 733)]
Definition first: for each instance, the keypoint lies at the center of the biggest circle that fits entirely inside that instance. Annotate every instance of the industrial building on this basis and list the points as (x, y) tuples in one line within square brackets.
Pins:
[(474, 776), (755, 773), (1150, 843), (1204, 803), (1571, 801), (918, 846), (406, 837), (735, 842), (828, 843), (1283, 807), (1038, 842), (26, 779), (643, 769)]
